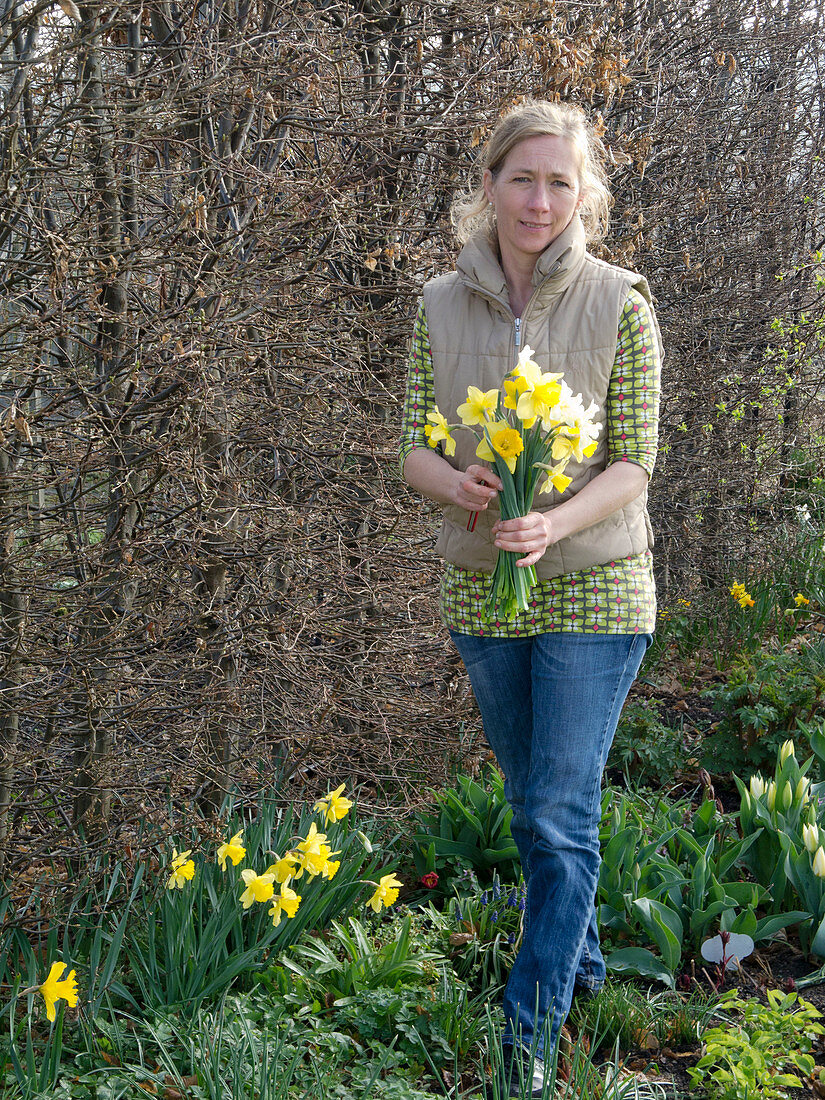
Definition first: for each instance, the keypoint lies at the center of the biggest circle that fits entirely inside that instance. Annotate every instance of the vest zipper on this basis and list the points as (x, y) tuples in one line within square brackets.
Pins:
[(517, 324)]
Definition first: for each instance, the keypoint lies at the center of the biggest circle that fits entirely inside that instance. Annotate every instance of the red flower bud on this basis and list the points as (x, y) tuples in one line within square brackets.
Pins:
[(430, 880)]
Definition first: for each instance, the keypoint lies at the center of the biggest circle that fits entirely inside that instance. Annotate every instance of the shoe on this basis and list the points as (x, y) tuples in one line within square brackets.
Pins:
[(523, 1076)]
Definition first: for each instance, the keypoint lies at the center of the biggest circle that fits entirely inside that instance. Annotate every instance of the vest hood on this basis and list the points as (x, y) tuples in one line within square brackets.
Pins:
[(479, 266)]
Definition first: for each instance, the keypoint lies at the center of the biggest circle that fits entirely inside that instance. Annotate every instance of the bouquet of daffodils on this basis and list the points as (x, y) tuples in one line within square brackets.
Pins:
[(532, 426)]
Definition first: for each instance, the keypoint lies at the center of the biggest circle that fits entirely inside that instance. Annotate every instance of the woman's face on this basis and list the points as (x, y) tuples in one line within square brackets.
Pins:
[(535, 193)]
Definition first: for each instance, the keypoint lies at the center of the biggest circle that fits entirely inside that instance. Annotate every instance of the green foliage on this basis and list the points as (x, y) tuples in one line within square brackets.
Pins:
[(480, 932), (647, 750), (348, 960), (771, 813), (668, 878), (626, 1015), (408, 1018), (469, 830), (755, 1052), (763, 699), (194, 942)]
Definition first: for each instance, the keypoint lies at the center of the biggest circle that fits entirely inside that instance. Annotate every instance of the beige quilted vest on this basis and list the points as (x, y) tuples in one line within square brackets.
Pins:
[(572, 323)]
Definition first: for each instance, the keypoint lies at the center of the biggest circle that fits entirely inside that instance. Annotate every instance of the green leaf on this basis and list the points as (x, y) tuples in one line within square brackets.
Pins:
[(638, 960), (664, 925), (769, 926)]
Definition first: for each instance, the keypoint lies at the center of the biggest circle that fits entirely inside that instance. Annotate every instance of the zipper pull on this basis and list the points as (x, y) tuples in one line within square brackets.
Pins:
[(517, 322)]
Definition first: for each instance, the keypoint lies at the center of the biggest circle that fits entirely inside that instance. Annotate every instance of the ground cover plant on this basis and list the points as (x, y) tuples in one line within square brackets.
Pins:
[(296, 950)]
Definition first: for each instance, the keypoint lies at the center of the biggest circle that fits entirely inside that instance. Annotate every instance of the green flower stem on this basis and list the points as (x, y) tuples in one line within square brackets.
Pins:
[(512, 584)]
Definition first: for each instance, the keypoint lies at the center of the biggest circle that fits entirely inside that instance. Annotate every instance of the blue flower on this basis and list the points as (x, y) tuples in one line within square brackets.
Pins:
[(512, 899), (511, 939), (484, 899), (493, 916)]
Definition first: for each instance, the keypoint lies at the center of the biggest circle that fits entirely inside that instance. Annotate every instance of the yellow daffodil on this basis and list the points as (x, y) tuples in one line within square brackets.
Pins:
[(233, 849), (182, 868), (514, 387), (810, 837), (741, 595), (556, 478), (506, 442), (757, 786), (313, 854), (577, 430), (285, 902), (258, 887), (57, 988), (819, 863), (540, 395), (329, 866), (439, 430), (800, 600), (479, 407), (334, 806), (386, 892), (283, 869)]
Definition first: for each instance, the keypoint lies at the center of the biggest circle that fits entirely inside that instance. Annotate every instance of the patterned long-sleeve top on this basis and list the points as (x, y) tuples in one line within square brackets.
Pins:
[(616, 598)]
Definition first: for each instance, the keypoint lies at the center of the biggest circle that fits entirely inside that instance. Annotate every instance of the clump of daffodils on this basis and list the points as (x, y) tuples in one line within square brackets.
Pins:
[(529, 431), (310, 856)]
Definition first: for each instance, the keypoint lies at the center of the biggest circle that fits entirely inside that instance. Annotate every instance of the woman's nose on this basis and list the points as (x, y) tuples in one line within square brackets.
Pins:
[(539, 196)]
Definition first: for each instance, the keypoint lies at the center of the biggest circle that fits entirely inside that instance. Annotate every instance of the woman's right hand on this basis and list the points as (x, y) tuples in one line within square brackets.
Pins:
[(475, 488), (433, 476)]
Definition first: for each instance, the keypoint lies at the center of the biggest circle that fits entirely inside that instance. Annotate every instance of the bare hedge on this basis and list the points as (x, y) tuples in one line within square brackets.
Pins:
[(216, 221)]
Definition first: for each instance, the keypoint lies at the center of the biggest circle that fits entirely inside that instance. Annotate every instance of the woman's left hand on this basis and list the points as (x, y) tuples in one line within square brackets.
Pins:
[(529, 535)]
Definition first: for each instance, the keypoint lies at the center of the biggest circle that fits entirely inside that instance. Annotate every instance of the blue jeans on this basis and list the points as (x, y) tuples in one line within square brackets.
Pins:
[(550, 706)]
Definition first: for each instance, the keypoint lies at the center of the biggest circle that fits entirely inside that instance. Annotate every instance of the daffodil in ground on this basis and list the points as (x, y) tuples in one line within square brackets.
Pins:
[(313, 855), (57, 988), (258, 887), (181, 869), (330, 866), (287, 901), (741, 595), (386, 892), (233, 849), (800, 600), (334, 806), (284, 868)]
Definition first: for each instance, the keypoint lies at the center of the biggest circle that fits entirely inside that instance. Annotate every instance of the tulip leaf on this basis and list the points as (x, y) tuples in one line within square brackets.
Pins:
[(664, 926), (767, 927), (638, 960)]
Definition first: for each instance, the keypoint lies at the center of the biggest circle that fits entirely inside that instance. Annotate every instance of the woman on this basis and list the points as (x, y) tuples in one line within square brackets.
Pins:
[(551, 683)]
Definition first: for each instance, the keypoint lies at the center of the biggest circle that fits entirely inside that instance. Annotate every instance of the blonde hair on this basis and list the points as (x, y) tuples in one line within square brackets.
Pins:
[(472, 212)]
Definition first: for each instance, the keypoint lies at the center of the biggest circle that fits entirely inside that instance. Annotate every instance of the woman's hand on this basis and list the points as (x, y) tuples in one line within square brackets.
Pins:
[(433, 476), (475, 488), (529, 535)]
